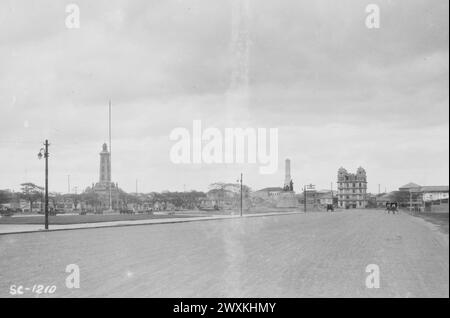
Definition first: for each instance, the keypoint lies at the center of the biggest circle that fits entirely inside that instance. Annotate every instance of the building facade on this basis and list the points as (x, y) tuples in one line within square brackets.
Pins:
[(352, 189), (435, 198), (267, 193), (325, 197)]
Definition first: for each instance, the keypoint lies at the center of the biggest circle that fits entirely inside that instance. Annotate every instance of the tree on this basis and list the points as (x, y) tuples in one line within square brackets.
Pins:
[(230, 187), (91, 198), (191, 199), (31, 193), (5, 196), (54, 197), (127, 198), (402, 197), (75, 199), (229, 191)]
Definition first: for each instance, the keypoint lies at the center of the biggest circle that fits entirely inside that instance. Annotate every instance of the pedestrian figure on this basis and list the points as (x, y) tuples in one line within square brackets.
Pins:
[(394, 206)]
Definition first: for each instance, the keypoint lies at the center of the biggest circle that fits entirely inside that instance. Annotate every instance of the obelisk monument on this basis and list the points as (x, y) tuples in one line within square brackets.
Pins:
[(287, 199), (287, 175)]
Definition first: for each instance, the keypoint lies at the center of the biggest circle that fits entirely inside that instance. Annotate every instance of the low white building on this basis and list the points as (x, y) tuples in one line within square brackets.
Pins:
[(435, 198)]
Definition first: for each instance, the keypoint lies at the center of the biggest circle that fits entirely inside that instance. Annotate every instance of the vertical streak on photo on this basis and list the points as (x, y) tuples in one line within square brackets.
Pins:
[(234, 254), (238, 92)]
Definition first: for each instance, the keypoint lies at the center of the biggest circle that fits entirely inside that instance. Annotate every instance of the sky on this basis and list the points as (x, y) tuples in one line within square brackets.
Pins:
[(339, 93)]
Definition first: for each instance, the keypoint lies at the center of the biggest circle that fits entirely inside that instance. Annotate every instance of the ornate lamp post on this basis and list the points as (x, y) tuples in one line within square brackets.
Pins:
[(44, 153), (240, 181)]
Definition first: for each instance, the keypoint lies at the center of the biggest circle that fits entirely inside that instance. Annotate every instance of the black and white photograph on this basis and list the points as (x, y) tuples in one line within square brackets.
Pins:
[(240, 151)]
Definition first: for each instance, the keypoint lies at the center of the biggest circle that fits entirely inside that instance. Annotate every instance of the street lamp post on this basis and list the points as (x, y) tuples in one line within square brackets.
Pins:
[(45, 154), (304, 197), (410, 201), (332, 203), (241, 193)]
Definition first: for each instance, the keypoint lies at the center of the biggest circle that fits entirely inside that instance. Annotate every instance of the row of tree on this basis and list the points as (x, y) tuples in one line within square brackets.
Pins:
[(29, 192), (33, 193)]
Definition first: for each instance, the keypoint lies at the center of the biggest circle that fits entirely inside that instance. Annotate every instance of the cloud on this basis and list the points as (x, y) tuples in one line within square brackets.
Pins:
[(340, 94)]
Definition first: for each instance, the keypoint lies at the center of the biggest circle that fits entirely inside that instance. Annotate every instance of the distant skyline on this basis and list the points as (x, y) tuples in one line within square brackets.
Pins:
[(339, 93)]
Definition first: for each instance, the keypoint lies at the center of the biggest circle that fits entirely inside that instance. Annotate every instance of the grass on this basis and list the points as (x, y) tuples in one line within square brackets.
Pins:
[(62, 219), (440, 219), (89, 218)]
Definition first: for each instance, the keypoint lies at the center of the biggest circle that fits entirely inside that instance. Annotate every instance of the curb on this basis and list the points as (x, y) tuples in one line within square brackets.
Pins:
[(201, 219)]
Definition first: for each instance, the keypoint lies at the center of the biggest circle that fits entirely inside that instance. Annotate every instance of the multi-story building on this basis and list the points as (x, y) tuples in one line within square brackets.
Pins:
[(424, 198), (352, 189)]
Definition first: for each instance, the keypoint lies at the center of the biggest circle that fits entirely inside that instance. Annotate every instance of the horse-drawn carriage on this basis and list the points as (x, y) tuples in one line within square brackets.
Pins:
[(391, 207)]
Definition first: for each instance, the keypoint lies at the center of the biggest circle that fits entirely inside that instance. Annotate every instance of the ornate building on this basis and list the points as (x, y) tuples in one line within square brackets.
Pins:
[(352, 189)]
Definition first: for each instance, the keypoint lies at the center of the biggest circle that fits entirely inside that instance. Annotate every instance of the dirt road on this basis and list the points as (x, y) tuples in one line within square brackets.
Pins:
[(303, 255)]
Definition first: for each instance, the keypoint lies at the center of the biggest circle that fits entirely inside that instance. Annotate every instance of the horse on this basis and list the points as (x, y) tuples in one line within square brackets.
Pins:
[(391, 207)]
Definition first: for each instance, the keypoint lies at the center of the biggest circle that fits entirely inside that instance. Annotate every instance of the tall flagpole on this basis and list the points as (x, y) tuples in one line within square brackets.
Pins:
[(110, 167)]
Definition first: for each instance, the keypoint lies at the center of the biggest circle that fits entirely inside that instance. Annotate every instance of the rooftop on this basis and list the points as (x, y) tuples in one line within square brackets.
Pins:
[(270, 189), (434, 189), (410, 186)]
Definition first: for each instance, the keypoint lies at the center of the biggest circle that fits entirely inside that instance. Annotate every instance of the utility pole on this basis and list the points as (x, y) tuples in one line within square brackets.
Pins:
[(311, 186), (241, 193), (75, 199), (379, 191), (410, 201), (46, 184), (68, 183), (136, 205), (304, 197), (331, 193)]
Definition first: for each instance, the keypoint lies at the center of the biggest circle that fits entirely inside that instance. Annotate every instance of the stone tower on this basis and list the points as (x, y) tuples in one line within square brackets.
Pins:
[(105, 165)]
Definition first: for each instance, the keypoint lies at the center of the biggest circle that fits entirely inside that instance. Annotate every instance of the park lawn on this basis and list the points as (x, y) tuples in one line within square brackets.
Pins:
[(89, 218)]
